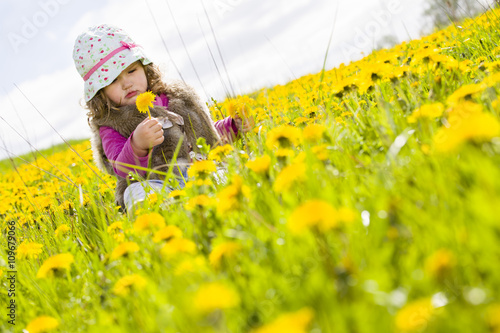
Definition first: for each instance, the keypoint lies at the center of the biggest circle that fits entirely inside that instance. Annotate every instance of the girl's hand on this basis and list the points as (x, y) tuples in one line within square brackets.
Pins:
[(147, 134)]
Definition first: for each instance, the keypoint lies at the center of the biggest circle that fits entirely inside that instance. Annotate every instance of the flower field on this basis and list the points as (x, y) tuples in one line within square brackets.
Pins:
[(367, 199)]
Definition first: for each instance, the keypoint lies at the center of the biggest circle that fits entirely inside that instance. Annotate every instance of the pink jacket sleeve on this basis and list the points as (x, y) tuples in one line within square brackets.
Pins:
[(227, 128), (119, 150)]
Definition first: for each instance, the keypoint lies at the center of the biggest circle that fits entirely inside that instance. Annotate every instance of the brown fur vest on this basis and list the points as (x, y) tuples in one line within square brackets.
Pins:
[(194, 122)]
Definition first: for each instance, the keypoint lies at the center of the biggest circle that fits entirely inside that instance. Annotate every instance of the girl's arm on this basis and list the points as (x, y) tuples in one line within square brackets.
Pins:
[(118, 149), (227, 129)]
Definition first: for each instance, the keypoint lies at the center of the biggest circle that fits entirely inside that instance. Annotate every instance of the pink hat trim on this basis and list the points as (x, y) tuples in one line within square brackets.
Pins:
[(109, 56)]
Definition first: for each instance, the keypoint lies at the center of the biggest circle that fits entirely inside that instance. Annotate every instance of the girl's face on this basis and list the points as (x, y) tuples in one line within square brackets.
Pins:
[(128, 85)]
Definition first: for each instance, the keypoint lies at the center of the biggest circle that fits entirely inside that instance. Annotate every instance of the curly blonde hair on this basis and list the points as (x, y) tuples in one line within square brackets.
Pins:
[(100, 105)]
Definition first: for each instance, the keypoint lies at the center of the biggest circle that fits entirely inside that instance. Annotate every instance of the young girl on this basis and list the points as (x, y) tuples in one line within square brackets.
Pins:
[(115, 71)]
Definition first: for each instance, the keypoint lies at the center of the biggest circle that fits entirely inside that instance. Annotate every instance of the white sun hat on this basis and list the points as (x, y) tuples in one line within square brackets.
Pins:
[(101, 53)]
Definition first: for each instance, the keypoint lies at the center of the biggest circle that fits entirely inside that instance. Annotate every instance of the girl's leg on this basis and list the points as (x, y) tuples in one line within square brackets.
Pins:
[(136, 193)]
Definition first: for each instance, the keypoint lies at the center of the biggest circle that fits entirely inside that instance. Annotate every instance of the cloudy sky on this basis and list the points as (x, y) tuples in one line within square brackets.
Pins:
[(262, 43)]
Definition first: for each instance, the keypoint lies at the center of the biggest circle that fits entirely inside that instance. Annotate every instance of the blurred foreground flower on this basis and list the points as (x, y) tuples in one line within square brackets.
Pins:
[(320, 214), (201, 169), (127, 283), (295, 322), (199, 201), (219, 152), (149, 222), (124, 249), (29, 250), (42, 324), (61, 230), (440, 264), (224, 250), (283, 137), (313, 132), (167, 233), (414, 316), (426, 111), (178, 246), (290, 175), (232, 197), (55, 265), (260, 164), (493, 317), (476, 127), (213, 296)]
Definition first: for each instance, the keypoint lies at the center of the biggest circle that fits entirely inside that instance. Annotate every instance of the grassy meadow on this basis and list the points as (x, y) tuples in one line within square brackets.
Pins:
[(366, 199)]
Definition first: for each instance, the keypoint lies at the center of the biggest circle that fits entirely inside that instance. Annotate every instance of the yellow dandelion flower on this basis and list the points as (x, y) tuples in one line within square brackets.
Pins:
[(65, 205), (119, 237), (152, 198), (440, 263), (321, 152), (199, 201), (42, 324), (493, 317), (289, 176), (191, 265), (202, 168), (284, 136), (496, 104), (463, 110), (55, 265), (223, 250), (219, 152), (177, 194), (414, 316), (476, 127), (295, 322), (426, 111), (124, 249), (319, 214), (239, 107), (346, 215), (62, 229), (167, 233), (231, 197), (314, 213), (178, 246), (260, 164), (29, 250), (300, 120), (313, 132), (465, 92), (115, 227), (149, 222), (492, 80), (144, 101), (214, 296), (128, 283)]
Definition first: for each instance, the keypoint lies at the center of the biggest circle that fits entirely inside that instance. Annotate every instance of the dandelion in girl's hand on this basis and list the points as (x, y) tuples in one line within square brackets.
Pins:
[(144, 101)]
